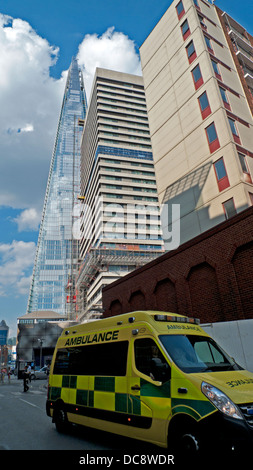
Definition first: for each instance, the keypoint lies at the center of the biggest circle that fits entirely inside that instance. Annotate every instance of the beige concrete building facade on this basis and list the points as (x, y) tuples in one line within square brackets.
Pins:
[(120, 216), (199, 101)]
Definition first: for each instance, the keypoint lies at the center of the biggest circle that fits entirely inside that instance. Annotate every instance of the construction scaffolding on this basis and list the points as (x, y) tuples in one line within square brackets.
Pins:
[(97, 261), (70, 288)]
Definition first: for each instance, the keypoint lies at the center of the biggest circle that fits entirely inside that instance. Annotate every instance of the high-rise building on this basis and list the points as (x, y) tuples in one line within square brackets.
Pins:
[(120, 218), (198, 76), (57, 249), (4, 330)]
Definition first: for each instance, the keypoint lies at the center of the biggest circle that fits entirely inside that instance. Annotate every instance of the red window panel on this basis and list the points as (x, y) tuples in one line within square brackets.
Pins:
[(191, 53), (233, 128), (227, 105), (186, 34), (185, 30), (206, 112), (209, 44), (204, 105), (224, 98), (197, 77), (245, 168), (223, 184), (199, 83), (215, 145), (180, 10), (212, 138), (237, 139), (192, 57), (216, 70), (196, 4), (221, 174)]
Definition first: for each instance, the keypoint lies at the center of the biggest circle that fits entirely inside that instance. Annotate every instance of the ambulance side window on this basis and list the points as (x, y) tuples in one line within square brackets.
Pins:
[(108, 359), (150, 361)]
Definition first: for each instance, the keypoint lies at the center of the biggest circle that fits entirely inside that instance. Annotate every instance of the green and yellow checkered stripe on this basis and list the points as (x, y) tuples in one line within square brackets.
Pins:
[(90, 395), (106, 393)]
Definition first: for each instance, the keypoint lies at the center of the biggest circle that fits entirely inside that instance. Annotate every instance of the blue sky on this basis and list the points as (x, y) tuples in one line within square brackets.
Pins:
[(37, 42)]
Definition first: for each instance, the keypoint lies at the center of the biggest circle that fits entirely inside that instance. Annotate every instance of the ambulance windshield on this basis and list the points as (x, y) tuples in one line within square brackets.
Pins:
[(197, 353)]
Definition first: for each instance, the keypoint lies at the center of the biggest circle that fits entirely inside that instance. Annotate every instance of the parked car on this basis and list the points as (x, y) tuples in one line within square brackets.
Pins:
[(39, 374)]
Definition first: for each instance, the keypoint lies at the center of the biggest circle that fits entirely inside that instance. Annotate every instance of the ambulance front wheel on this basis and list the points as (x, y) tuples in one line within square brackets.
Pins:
[(60, 419), (185, 438), (189, 443)]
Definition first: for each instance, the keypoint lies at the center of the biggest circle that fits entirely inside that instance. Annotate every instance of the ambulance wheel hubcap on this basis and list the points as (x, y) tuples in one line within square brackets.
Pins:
[(190, 443)]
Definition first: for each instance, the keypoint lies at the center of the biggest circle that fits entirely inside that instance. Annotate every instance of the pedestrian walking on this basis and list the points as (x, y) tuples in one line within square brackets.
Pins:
[(9, 375), (25, 379), (2, 376), (29, 370)]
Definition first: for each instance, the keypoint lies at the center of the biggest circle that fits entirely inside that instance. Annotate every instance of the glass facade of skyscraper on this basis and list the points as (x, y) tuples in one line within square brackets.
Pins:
[(57, 252)]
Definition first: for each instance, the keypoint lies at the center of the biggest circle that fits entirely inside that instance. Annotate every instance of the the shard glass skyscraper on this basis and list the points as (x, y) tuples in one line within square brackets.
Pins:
[(57, 252)]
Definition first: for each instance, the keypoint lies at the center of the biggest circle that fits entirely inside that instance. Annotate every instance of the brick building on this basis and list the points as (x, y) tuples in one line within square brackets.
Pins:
[(209, 277)]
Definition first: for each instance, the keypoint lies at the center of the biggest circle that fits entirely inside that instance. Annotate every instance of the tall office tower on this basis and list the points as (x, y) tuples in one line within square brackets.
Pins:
[(57, 250), (120, 223), (198, 76)]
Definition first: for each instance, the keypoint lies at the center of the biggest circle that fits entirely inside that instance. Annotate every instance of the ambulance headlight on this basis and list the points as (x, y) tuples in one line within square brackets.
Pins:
[(221, 401)]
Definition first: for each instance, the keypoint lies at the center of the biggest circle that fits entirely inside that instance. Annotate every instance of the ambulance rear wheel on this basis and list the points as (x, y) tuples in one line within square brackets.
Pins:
[(61, 420)]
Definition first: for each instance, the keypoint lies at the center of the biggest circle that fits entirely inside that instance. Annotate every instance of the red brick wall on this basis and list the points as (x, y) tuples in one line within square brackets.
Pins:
[(209, 277)]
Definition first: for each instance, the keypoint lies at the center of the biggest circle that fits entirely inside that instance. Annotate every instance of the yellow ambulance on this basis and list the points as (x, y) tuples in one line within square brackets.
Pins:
[(154, 376)]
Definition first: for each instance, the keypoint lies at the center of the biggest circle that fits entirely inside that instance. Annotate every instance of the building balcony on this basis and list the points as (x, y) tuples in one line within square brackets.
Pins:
[(245, 58), (240, 38), (233, 24), (248, 75)]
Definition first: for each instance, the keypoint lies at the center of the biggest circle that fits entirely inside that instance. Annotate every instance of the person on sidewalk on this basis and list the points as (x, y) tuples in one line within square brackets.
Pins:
[(25, 379), (9, 374)]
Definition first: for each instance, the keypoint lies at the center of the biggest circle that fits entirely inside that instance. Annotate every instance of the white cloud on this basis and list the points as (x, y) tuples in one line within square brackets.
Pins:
[(29, 219), (17, 259), (112, 50), (30, 101)]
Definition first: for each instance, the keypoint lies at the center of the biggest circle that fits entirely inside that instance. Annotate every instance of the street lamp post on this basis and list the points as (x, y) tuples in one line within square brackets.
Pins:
[(41, 343)]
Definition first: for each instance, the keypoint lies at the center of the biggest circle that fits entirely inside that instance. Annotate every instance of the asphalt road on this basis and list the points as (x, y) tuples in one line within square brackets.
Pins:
[(28, 432), (25, 425)]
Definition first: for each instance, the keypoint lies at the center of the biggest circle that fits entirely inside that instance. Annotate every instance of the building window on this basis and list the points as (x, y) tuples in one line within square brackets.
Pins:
[(212, 138), (204, 105), (180, 10), (209, 44), (224, 98), (229, 208), (245, 168), (191, 53), (185, 30), (234, 130), (216, 69), (221, 174), (202, 22), (197, 77)]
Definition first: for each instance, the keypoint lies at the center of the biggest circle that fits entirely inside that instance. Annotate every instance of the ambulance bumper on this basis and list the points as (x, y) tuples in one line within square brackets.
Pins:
[(229, 433)]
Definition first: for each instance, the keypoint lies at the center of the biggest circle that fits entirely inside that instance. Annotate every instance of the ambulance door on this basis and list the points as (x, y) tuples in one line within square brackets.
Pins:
[(149, 388)]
